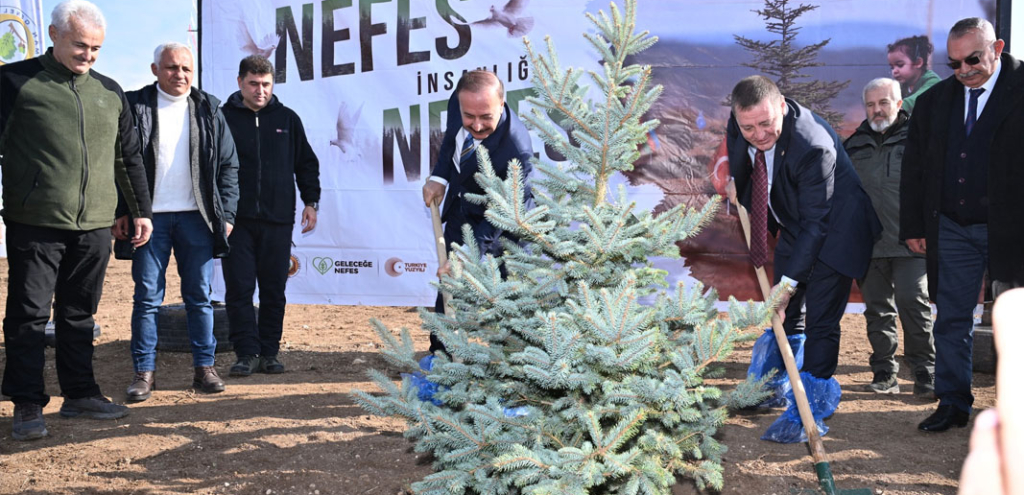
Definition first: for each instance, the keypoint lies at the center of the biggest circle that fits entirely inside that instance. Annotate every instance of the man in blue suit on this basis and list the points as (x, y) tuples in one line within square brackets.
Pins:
[(788, 163), (477, 116)]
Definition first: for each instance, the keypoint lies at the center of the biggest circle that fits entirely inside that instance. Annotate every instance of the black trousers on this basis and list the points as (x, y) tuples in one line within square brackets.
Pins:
[(66, 267), (815, 309), (260, 253)]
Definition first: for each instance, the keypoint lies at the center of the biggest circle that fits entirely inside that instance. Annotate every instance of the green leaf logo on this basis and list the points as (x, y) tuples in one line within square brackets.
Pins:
[(322, 265)]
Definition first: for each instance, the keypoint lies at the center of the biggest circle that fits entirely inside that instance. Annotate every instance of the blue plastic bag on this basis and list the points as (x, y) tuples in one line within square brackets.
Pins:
[(425, 389), (823, 396), (767, 357)]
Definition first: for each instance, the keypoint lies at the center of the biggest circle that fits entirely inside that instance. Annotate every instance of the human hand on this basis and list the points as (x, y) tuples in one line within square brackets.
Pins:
[(917, 245), (228, 227), (143, 229), (982, 473), (787, 289), (308, 219), (445, 269), (1008, 324), (730, 191), (120, 228), (433, 193)]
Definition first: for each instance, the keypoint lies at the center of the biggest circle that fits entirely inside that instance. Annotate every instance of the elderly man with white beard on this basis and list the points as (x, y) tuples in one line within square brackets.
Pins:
[(896, 281)]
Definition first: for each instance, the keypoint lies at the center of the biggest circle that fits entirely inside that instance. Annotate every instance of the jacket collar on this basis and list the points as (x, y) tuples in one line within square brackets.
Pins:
[(58, 69), (866, 135), (235, 101)]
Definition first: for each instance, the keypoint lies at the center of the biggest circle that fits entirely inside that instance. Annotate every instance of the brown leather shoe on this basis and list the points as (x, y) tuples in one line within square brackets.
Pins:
[(142, 386), (206, 379)]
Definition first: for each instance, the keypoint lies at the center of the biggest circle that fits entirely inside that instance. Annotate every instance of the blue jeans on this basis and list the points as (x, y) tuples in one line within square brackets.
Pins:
[(192, 241), (963, 255)]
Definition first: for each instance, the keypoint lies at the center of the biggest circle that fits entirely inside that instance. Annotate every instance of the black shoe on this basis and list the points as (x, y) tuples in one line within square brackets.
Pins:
[(944, 418), (98, 407), (884, 382), (270, 364), (245, 366), (924, 385), (142, 386), (28, 422), (206, 379)]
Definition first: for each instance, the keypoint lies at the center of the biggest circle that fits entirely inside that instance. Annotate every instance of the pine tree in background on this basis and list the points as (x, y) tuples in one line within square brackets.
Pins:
[(560, 380), (782, 59)]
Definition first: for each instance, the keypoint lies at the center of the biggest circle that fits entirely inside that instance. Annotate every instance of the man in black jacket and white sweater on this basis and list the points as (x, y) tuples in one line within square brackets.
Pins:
[(274, 156), (191, 168)]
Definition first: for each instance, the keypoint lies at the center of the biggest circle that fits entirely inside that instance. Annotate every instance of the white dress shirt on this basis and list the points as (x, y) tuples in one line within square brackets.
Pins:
[(460, 139), (983, 97), (769, 165)]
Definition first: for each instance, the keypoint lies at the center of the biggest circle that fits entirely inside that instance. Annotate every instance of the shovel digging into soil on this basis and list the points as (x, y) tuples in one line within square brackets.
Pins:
[(822, 468)]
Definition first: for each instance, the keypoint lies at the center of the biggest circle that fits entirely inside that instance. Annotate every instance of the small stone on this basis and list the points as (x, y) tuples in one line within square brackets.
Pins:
[(227, 484), (269, 491), (358, 361), (312, 486)]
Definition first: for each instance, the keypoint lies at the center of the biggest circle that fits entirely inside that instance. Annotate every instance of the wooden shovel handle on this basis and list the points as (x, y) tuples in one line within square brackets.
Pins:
[(442, 251), (817, 448)]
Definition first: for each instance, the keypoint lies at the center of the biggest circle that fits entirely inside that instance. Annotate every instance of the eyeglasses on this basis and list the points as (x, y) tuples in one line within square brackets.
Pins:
[(972, 60)]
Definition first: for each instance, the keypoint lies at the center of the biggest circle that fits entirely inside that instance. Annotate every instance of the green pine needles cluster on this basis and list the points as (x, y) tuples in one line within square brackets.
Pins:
[(560, 380)]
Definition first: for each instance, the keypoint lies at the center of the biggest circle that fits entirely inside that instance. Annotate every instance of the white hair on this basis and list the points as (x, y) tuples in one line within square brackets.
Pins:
[(169, 46), (81, 10), (883, 82)]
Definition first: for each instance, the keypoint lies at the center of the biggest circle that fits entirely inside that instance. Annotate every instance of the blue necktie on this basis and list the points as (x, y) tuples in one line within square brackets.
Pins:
[(972, 109), (468, 150)]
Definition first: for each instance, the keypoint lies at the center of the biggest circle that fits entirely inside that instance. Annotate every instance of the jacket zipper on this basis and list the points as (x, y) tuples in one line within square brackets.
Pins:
[(85, 152), (259, 167)]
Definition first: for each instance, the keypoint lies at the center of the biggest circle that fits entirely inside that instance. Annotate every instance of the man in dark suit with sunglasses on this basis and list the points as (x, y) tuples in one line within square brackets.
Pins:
[(960, 199)]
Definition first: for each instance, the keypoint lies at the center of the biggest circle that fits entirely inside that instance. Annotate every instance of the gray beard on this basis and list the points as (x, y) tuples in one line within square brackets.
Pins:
[(881, 126)]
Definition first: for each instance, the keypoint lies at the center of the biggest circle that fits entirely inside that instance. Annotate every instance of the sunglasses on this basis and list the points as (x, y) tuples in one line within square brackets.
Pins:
[(972, 60)]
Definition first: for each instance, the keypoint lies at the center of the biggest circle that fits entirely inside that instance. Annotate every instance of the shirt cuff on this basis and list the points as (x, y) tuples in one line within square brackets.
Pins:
[(787, 280), (439, 180)]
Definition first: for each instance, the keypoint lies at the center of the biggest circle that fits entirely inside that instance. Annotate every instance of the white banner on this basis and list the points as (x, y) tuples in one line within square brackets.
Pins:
[(370, 81), (21, 37)]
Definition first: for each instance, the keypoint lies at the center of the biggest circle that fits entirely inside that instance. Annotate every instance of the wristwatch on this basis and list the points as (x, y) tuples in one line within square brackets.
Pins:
[(314, 205)]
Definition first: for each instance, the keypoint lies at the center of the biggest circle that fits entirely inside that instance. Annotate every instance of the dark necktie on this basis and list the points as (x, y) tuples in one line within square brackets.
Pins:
[(468, 150), (759, 212), (972, 109)]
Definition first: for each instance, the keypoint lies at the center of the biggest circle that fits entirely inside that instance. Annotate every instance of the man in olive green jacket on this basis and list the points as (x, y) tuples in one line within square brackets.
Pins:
[(896, 280), (66, 137)]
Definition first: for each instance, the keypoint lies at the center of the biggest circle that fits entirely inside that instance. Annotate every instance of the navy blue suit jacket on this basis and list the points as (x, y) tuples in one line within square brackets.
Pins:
[(509, 140), (825, 213)]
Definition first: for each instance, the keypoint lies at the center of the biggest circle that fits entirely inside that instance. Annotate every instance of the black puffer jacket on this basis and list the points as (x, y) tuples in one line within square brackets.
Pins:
[(215, 176), (273, 156)]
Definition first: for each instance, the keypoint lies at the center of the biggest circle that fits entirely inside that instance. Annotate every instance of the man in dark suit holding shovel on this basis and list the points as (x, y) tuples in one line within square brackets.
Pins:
[(791, 171), (477, 116)]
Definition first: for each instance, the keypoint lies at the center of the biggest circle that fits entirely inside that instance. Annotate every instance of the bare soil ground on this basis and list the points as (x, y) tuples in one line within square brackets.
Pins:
[(300, 433)]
